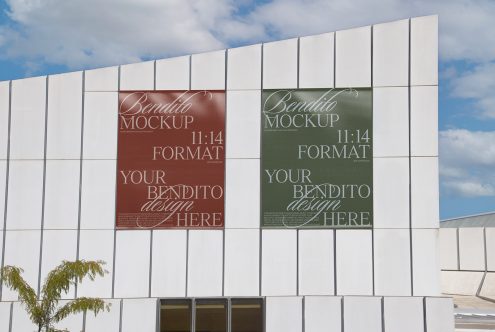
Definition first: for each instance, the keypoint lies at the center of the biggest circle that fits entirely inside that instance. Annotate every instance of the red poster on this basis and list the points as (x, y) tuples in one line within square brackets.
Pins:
[(170, 162)]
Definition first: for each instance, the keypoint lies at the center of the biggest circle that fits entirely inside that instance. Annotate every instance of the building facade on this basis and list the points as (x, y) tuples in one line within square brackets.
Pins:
[(73, 154)]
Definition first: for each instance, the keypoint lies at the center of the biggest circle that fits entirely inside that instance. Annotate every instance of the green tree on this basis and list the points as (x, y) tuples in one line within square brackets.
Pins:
[(45, 311)]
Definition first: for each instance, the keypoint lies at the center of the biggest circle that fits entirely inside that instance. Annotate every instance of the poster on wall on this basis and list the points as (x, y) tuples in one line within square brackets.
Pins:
[(170, 159), (316, 160)]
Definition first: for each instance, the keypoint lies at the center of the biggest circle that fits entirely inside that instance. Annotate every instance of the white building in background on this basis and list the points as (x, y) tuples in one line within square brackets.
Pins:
[(60, 165)]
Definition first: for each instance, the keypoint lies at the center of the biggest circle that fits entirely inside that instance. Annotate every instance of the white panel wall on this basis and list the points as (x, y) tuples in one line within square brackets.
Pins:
[(244, 68), (471, 249), (392, 258), (424, 192), (490, 248), (168, 272), (439, 314), (27, 136), (426, 268), (242, 257), (390, 193), (25, 194), (137, 76), (100, 125), (354, 262), (61, 194), (58, 245), (316, 61), (5, 309), (208, 71), (461, 282), (205, 263), (107, 321), (242, 193), (369, 311), (3, 183), (63, 137), (4, 118), (280, 64), (391, 54), (103, 79), (29, 241), (139, 315), (71, 322), (424, 50), (424, 121), (353, 58), (283, 314), (97, 245), (403, 314), (391, 122), (243, 124), (173, 74), (448, 248), (98, 194), (322, 313), (279, 262), (20, 319), (132, 264), (316, 262)]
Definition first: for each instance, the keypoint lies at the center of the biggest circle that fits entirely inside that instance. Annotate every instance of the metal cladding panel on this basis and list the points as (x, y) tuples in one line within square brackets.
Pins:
[(424, 192), (280, 64), (279, 262), (425, 263), (205, 263), (104, 321), (25, 185), (29, 241), (424, 50), (439, 314), (4, 118), (242, 262), (392, 264), (138, 76), (391, 54), (316, 262), (490, 248), (208, 71), (27, 118), (64, 116), (424, 121), (139, 315), (354, 267), (370, 314), (353, 57), (61, 194), (5, 310), (20, 320), (471, 249), (97, 245), (102, 79), (316, 60), (403, 314), (284, 314), (244, 68), (132, 264), (322, 313), (3, 184), (448, 249), (173, 73), (169, 259)]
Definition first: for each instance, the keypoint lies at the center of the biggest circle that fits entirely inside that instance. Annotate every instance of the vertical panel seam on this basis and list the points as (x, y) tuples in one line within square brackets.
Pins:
[(342, 320), (226, 55), (334, 262), (115, 191), (7, 171), (190, 72), (187, 262), (11, 315), (150, 269), (335, 59), (121, 310), (425, 325), (298, 60), (154, 75), (411, 258), (458, 248), (80, 176), (297, 262), (372, 228), (382, 308), (47, 83), (260, 263)]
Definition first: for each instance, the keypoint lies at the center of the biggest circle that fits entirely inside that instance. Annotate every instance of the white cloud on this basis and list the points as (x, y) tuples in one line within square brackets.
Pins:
[(88, 33), (478, 84), (467, 161)]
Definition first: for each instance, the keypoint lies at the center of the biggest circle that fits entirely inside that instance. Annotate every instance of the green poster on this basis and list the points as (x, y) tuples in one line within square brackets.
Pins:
[(316, 158)]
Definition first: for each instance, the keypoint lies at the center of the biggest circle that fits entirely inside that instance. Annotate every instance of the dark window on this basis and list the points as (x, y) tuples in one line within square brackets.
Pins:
[(211, 316), (175, 316), (247, 315)]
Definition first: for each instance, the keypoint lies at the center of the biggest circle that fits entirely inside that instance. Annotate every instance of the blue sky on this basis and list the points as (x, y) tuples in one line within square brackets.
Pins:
[(39, 37)]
